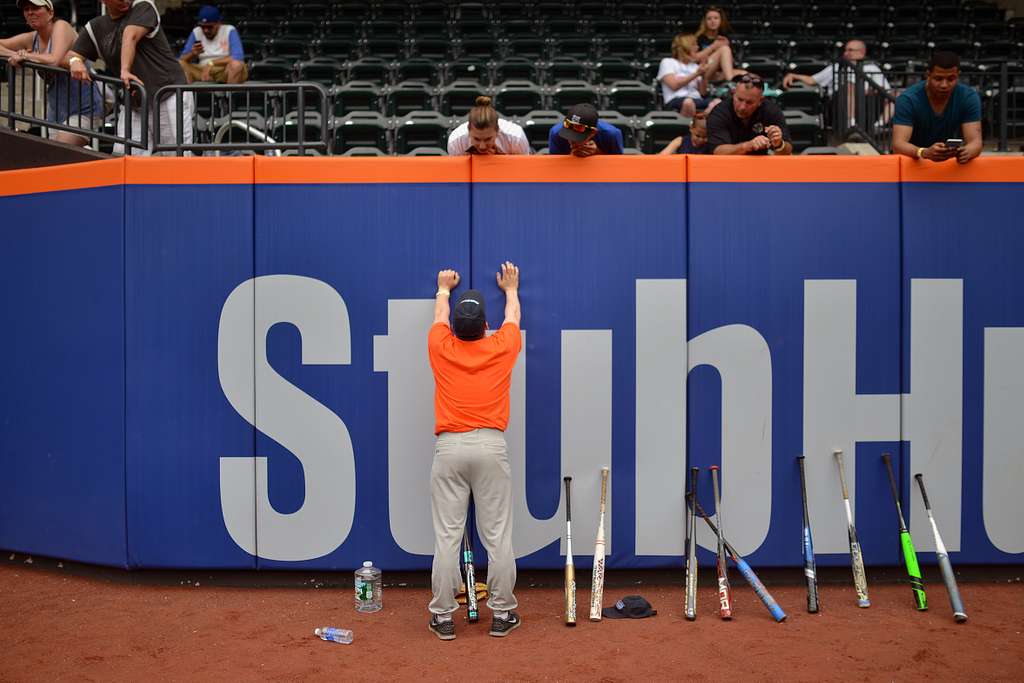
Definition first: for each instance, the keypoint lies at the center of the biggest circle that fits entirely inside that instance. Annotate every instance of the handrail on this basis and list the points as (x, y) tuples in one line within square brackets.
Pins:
[(108, 85), (243, 125)]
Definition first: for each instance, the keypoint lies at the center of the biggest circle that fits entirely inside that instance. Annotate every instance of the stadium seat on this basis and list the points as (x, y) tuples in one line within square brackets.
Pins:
[(801, 97), (341, 28), (611, 69), (379, 27), (534, 47), (578, 46), (563, 68), (622, 45), (372, 69), (517, 97), (418, 69), (323, 70), (517, 68), (297, 28), (287, 129), (393, 11), (427, 152), (364, 152), (763, 47), (804, 129), (569, 93), (631, 97), (817, 48), (468, 69), (421, 129), (388, 47), (470, 10), (433, 46), (537, 125), (623, 123), (408, 96), (238, 133), (337, 47), (291, 48), (421, 27), (438, 11), (360, 129), (458, 98), (660, 128), (355, 96), (273, 70), (771, 70), (274, 9)]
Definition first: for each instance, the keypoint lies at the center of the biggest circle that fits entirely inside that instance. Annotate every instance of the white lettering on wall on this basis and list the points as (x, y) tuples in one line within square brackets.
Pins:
[(1003, 476)]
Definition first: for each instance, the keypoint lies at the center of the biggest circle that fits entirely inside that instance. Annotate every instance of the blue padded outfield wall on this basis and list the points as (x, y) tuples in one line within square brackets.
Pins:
[(221, 363)]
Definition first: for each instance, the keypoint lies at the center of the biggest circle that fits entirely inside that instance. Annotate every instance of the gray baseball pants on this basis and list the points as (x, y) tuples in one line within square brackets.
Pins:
[(472, 462)]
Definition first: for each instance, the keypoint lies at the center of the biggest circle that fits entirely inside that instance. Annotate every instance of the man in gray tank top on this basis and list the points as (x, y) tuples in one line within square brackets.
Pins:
[(131, 41)]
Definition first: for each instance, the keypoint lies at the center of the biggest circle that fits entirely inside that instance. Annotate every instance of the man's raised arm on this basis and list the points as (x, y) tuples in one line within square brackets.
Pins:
[(508, 280), (447, 280)]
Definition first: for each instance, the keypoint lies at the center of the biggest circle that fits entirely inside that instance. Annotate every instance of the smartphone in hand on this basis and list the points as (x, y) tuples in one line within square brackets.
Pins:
[(954, 143)]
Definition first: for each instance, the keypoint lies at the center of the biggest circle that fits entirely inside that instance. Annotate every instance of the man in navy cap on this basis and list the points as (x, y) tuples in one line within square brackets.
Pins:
[(213, 51), (582, 134)]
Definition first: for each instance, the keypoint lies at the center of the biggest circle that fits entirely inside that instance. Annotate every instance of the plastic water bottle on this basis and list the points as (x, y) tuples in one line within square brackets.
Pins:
[(337, 635), (369, 587)]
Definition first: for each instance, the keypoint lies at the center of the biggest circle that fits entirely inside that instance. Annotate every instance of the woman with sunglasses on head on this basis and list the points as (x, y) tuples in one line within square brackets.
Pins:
[(582, 134), (714, 48), (485, 133), (76, 104)]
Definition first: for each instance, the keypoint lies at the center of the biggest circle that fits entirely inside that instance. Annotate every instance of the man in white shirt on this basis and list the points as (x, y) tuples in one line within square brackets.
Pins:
[(213, 51), (485, 133), (854, 52)]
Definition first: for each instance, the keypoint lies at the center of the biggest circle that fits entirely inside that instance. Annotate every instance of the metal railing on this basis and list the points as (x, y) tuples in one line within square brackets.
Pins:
[(282, 106), (861, 108), (113, 96)]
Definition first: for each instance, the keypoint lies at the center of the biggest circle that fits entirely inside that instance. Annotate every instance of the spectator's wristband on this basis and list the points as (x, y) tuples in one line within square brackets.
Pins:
[(920, 152), (72, 60), (445, 292), (779, 148)]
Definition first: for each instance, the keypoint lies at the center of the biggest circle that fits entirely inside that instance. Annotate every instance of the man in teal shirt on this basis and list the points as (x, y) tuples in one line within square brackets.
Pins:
[(936, 110)]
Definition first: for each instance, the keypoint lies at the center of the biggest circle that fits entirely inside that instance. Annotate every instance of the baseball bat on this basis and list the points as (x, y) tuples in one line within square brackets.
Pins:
[(570, 570), (597, 579), (944, 565), (906, 543), (724, 590), (810, 570), (691, 548), (467, 558), (860, 578), (747, 572)]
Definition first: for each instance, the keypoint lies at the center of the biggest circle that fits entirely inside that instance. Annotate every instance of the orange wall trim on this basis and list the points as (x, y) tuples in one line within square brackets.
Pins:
[(570, 169), (793, 169), (79, 176), (189, 170), (981, 170), (366, 170)]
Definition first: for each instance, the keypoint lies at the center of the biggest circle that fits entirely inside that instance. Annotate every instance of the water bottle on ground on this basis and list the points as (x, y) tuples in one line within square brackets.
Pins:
[(369, 587), (337, 635)]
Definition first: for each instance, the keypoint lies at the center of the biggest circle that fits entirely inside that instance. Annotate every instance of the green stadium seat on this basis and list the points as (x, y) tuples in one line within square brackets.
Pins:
[(631, 97), (563, 68), (408, 96), (537, 124), (356, 96), (623, 123), (805, 129), (518, 97), (468, 69), (418, 69), (323, 70), (569, 93), (456, 99), (360, 129), (517, 68), (660, 128), (421, 129), (372, 69)]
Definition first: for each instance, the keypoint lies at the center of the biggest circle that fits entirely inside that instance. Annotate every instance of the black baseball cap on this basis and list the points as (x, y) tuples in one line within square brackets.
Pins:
[(469, 319), (630, 607), (580, 123)]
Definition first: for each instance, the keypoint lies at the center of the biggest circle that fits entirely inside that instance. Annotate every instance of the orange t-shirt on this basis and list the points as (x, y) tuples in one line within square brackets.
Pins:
[(472, 378)]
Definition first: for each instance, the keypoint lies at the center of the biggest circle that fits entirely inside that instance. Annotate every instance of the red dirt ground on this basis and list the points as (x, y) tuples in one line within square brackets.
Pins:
[(57, 622)]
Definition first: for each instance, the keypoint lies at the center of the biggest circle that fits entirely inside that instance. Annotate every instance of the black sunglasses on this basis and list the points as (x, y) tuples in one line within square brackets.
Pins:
[(751, 80)]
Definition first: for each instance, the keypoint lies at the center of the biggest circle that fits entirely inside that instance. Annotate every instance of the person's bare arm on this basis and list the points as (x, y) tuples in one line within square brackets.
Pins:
[(508, 280), (9, 47), (676, 81), (901, 145), (61, 40), (790, 78), (758, 143), (447, 280), (972, 142), (129, 42), (673, 146)]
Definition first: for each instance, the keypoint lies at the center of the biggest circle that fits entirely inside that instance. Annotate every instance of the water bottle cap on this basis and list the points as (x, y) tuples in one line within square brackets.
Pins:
[(367, 564), (316, 632)]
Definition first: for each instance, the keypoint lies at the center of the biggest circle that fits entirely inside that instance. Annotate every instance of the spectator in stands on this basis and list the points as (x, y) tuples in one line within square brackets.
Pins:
[(694, 142), (47, 43), (485, 133), (682, 78), (213, 51), (131, 41), (582, 134), (748, 123), (854, 52), (714, 49), (936, 110)]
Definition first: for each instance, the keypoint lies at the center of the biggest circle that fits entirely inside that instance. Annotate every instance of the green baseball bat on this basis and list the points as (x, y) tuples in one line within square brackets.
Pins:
[(906, 543)]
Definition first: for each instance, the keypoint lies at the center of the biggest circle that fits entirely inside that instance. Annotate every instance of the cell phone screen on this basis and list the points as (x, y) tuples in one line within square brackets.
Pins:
[(953, 143)]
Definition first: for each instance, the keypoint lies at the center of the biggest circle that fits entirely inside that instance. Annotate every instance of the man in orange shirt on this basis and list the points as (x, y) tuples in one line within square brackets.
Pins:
[(472, 376)]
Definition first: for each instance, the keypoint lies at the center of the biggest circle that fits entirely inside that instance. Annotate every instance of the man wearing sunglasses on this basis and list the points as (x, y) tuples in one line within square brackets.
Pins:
[(582, 134), (747, 123)]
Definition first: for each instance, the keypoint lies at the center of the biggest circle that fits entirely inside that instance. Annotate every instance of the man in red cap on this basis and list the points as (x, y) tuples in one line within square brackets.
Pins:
[(472, 377)]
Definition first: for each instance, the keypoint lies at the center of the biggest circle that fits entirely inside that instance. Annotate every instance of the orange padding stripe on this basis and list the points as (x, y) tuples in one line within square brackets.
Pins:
[(64, 177), (189, 170), (980, 170), (570, 169), (376, 170), (794, 169)]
